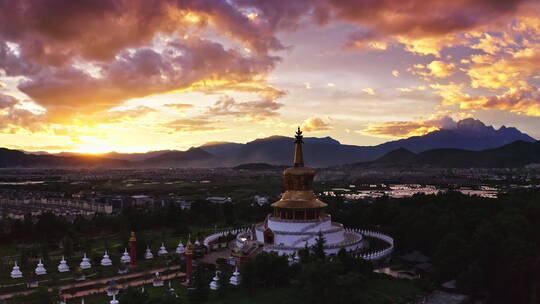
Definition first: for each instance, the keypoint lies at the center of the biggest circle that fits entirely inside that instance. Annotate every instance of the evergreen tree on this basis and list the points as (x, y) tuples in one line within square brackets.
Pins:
[(249, 273), (304, 254), (198, 292), (168, 298), (41, 296), (318, 247), (134, 295), (68, 247)]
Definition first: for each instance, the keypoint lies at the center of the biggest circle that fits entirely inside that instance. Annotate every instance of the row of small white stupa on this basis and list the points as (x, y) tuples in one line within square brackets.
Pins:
[(234, 280), (180, 249), (106, 261)]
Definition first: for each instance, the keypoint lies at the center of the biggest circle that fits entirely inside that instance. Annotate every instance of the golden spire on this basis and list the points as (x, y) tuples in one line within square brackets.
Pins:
[(132, 237), (299, 182), (298, 153), (189, 245)]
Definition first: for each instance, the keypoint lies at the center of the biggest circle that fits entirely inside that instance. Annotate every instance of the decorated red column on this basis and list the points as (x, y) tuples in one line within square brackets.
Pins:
[(133, 249), (189, 262)]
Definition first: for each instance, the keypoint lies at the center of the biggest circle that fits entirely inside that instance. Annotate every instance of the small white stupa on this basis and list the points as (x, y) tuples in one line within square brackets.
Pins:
[(158, 281), (63, 266), (16, 273), (162, 250), (290, 260), (125, 259), (40, 269), (148, 255), (235, 278), (180, 249), (214, 285), (114, 300), (85, 263), (197, 243), (106, 260)]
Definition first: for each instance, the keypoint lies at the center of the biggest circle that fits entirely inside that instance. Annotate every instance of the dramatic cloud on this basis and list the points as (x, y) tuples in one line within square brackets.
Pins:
[(56, 31), (141, 73), (7, 101), (508, 70), (423, 26), (70, 69), (404, 129), (192, 125), (412, 89), (179, 106), (248, 110), (520, 101), (435, 69), (14, 118), (368, 91), (125, 115), (314, 124)]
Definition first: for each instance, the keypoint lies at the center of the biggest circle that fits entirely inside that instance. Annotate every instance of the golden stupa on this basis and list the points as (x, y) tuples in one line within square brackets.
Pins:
[(298, 201)]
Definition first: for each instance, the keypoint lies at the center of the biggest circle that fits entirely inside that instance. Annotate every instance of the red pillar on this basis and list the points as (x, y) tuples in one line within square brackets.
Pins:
[(189, 265), (133, 249)]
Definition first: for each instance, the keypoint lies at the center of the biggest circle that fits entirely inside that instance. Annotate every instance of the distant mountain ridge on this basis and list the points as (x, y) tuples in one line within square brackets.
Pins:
[(516, 154), (468, 134), (14, 158)]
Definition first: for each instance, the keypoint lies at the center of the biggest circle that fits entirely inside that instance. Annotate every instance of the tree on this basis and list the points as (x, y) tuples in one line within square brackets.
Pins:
[(133, 295), (41, 296), (198, 292), (249, 273), (168, 298), (317, 282), (304, 254), (68, 247), (318, 247)]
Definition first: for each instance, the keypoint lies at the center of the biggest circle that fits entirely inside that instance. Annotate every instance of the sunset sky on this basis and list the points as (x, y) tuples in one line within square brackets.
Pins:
[(139, 75)]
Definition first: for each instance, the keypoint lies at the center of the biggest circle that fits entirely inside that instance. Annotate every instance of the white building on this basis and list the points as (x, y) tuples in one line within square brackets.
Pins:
[(219, 199), (260, 200), (299, 216)]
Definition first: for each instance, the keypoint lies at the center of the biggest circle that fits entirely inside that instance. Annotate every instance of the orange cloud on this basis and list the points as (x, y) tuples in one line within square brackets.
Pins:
[(63, 30), (14, 117), (405, 129), (314, 124), (141, 73), (510, 70), (179, 106), (368, 91), (192, 125), (435, 69), (256, 111), (520, 101)]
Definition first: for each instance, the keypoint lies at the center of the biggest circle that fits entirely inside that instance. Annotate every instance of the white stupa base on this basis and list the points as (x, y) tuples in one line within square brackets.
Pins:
[(290, 236)]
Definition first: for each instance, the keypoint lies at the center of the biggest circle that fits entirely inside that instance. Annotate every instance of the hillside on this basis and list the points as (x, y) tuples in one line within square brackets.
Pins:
[(516, 154), (14, 158), (468, 134)]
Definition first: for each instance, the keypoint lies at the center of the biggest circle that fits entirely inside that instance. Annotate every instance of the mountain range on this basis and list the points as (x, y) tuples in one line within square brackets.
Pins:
[(516, 154), (468, 134)]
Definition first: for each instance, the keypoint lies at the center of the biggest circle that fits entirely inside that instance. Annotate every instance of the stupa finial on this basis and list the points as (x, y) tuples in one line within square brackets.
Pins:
[(298, 153)]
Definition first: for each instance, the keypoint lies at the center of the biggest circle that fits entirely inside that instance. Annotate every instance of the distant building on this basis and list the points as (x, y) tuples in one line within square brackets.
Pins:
[(183, 204), (260, 200), (142, 200), (219, 199)]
